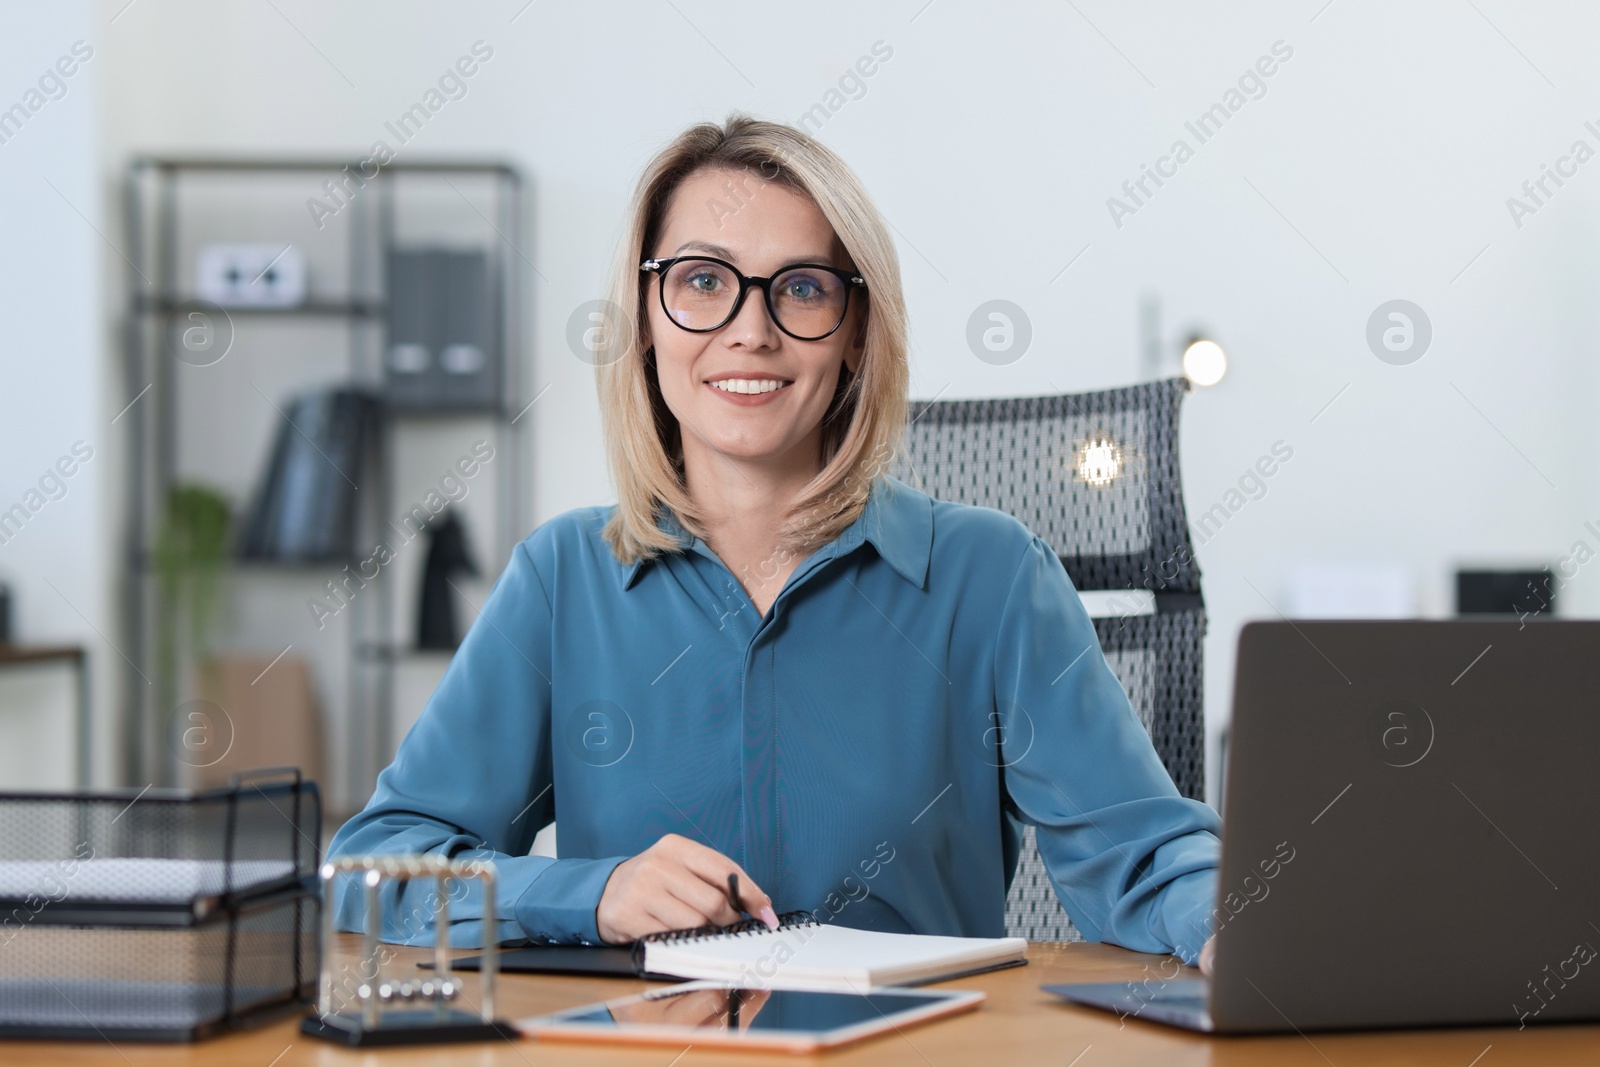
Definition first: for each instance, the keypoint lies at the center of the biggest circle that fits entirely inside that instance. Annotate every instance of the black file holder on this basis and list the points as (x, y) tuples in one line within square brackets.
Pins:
[(157, 916)]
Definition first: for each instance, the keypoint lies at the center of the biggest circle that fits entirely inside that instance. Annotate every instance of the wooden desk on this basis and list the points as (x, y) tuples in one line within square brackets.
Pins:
[(1018, 1024)]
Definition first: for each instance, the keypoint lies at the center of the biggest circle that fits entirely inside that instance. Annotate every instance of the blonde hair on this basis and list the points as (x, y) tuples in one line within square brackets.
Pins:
[(864, 422)]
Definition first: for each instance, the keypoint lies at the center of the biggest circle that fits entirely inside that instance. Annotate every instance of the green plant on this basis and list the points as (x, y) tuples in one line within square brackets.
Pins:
[(190, 555)]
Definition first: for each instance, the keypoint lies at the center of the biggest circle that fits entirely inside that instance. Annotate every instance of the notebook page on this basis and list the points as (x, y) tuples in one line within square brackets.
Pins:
[(827, 956)]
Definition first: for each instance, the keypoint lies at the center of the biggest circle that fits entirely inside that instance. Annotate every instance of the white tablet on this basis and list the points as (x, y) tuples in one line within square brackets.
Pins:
[(714, 1013)]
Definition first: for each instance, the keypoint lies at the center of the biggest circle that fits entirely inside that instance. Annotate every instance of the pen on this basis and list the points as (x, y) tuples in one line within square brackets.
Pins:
[(767, 915)]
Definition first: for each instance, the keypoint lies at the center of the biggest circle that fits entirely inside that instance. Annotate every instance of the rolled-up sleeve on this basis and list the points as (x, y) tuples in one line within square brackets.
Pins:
[(1133, 862), (473, 780)]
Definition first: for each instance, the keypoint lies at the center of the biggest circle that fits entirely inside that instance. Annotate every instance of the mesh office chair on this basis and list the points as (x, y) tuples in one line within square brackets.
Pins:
[(1096, 476)]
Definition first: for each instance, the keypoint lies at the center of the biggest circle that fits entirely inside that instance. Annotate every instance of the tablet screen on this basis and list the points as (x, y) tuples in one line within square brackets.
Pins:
[(806, 1011)]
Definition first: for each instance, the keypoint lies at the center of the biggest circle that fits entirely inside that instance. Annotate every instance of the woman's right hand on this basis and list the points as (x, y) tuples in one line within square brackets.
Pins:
[(674, 884)]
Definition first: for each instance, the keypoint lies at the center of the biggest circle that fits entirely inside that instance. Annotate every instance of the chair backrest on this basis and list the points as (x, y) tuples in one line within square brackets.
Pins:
[(1096, 475)]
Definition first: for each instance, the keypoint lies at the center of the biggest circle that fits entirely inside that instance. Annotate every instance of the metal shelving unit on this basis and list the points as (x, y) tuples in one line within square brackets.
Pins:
[(172, 206)]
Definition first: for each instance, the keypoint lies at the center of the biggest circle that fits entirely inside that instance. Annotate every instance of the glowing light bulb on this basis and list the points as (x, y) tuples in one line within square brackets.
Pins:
[(1204, 362), (1099, 461)]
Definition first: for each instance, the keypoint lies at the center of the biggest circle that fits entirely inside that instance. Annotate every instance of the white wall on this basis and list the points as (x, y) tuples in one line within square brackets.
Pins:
[(53, 382), (1376, 166)]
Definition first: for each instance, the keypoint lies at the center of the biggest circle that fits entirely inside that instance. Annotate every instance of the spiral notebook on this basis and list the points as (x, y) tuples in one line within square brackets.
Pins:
[(801, 953)]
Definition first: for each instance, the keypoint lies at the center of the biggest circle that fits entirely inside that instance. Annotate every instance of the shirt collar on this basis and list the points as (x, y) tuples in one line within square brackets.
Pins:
[(897, 521)]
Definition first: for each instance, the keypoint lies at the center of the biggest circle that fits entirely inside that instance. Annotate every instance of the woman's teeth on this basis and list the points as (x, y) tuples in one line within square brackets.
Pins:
[(747, 385)]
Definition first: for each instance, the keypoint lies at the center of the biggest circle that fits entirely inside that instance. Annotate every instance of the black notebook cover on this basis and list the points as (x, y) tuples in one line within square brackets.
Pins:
[(626, 961), (616, 961), (610, 960)]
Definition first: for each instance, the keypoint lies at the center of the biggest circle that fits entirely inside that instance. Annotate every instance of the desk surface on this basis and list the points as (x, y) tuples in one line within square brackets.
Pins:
[(1018, 1024), (14, 654)]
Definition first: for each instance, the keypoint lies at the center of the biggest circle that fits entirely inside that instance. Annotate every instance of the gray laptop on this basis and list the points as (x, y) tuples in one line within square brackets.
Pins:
[(1412, 833)]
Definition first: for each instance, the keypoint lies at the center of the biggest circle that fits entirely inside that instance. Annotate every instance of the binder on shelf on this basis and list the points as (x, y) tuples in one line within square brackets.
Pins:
[(305, 510), (443, 345), (411, 372)]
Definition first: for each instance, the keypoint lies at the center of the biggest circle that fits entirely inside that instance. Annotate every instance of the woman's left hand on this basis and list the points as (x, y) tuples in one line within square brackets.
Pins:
[(1208, 952)]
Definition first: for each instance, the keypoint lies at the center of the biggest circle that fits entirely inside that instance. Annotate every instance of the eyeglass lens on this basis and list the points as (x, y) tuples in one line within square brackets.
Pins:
[(699, 295)]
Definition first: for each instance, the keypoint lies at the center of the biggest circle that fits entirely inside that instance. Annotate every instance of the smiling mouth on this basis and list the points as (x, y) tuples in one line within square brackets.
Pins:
[(750, 386)]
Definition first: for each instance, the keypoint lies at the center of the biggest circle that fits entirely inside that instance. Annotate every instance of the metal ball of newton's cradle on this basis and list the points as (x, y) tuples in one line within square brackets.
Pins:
[(425, 989), (367, 1024)]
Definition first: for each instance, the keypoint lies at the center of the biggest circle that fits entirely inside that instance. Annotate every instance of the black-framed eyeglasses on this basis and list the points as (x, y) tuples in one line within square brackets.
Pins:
[(807, 301)]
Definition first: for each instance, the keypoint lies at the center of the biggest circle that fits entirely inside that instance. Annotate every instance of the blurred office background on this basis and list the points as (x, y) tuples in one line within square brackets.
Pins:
[(1340, 156)]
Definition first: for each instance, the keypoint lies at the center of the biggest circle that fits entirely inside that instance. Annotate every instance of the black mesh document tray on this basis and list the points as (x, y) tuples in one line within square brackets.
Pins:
[(158, 914)]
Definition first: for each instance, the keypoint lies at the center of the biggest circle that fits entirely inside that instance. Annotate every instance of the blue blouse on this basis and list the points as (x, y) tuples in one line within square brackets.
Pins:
[(867, 750)]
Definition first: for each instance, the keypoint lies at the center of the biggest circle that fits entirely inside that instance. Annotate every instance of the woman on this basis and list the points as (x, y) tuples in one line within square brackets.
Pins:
[(770, 659)]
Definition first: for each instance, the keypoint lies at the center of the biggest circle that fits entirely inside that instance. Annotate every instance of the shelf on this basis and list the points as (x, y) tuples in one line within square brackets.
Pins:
[(324, 309), (174, 207), (281, 166), (389, 412), (141, 564), (390, 652)]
